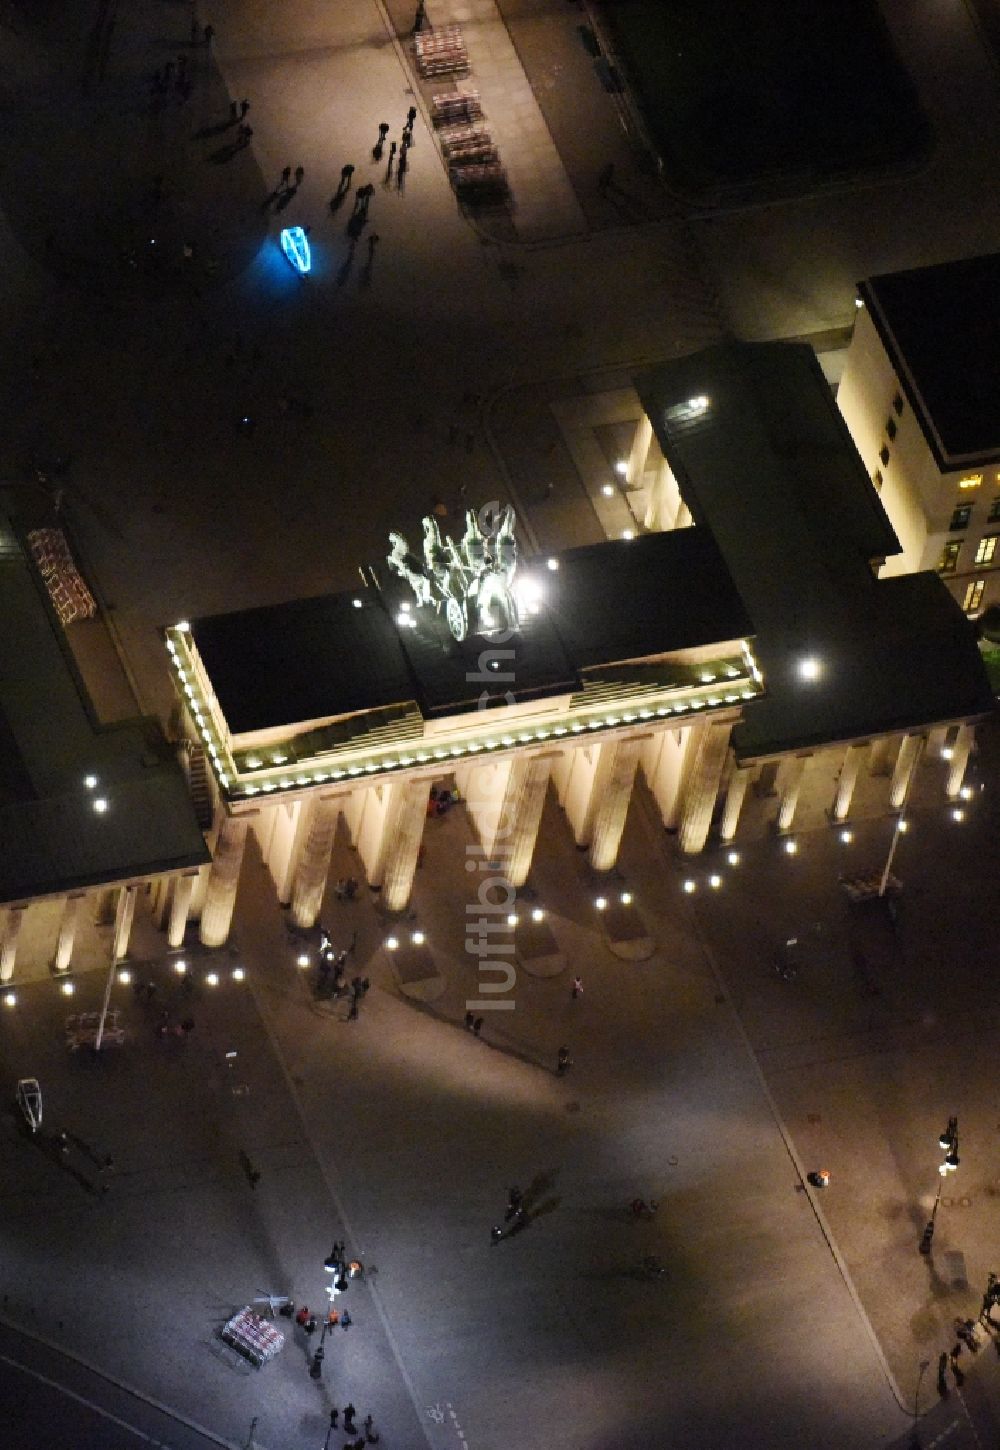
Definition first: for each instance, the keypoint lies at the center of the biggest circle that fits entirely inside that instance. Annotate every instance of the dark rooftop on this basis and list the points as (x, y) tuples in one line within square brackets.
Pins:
[(656, 594), (53, 840), (769, 468), (325, 657), (941, 327)]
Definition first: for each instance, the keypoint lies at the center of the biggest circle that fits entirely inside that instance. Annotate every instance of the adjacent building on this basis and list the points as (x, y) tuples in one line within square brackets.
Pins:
[(921, 396), (91, 816)]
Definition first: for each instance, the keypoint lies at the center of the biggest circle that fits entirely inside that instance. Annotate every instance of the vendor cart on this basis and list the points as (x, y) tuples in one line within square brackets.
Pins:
[(256, 1339), (867, 885), (82, 1029)]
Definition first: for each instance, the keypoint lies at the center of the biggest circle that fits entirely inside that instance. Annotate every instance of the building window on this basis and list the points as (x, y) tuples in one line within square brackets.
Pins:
[(993, 517), (973, 595), (897, 403), (883, 453), (960, 518), (948, 562), (877, 480), (985, 549), (971, 480), (890, 428)]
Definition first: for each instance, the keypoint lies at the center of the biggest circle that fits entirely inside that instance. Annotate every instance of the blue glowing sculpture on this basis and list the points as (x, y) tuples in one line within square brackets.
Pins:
[(295, 246)]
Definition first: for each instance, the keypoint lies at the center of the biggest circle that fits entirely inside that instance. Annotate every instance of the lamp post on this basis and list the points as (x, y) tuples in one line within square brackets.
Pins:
[(948, 1141), (900, 830)]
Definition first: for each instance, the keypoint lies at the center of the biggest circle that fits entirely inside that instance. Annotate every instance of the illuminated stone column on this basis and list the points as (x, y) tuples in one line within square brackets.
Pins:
[(848, 779), (9, 933), (612, 806), (906, 764), (666, 510), (180, 906), (402, 832), (790, 786), (223, 879), (735, 793), (520, 814), (702, 787), (880, 755), (314, 861), (641, 439), (959, 760), (124, 913), (70, 920)]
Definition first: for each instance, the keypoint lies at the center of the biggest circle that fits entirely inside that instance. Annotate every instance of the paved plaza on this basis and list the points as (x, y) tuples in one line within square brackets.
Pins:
[(376, 388)]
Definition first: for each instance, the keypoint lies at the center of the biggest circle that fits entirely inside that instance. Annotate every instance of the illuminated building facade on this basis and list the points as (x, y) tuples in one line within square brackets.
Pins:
[(919, 395)]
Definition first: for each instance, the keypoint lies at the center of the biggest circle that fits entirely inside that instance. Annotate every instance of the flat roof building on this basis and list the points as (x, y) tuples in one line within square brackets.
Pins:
[(83, 807), (921, 396)]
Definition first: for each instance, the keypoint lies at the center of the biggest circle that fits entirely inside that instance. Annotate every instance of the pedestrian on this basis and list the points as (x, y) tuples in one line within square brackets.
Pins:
[(577, 987), (244, 107), (562, 1062), (477, 1026), (420, 16), (470, 1019), (286, 176), (496, 1233), (515, 1198), (334, 1417), (349, 1413), (368, 1425), (346, 1320), (346, 172), (209, 34), (411, 116), (300, 172)]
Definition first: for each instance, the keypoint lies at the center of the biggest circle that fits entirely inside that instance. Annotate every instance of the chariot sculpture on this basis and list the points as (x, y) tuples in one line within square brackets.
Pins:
[(471, 581)]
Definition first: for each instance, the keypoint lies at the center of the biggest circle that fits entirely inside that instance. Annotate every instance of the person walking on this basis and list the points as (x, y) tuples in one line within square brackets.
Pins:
[(420, 16), (562, 1062), (577, 988), (244, 107), (209, 34), (496, 1233), (477, 1026), (368, 1425), (392, 157), (349, 1413), (334, 1417), (515, 1199), (470, 1018), (300, 172)]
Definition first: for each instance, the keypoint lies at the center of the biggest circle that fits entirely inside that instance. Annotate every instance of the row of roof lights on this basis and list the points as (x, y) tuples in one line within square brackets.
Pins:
[(473, 747)]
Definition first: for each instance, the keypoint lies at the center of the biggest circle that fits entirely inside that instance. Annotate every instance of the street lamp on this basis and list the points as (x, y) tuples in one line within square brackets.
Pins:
[(900, 830), (948, 1141)]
